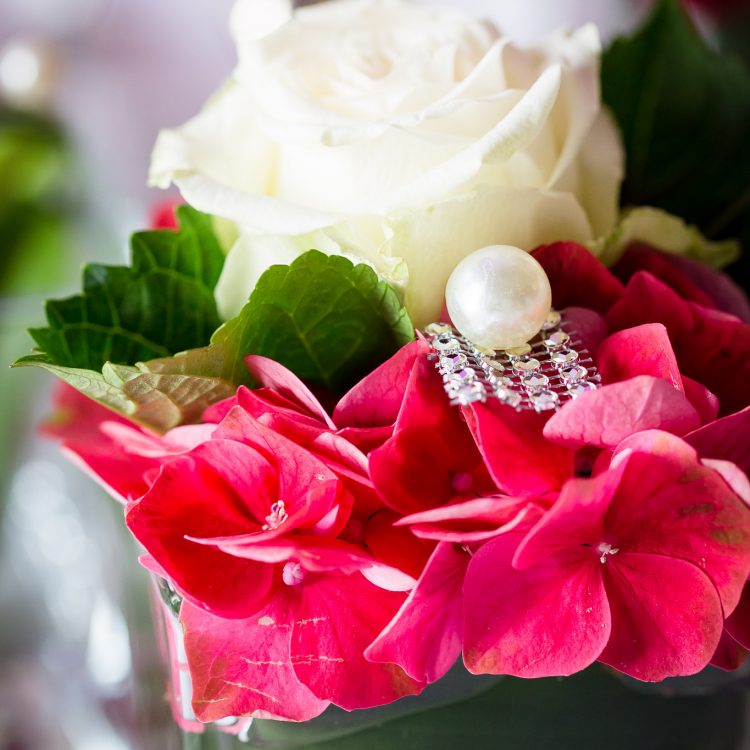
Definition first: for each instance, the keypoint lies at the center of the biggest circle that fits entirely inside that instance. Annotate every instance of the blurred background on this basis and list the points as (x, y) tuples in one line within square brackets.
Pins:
[(85, 85)]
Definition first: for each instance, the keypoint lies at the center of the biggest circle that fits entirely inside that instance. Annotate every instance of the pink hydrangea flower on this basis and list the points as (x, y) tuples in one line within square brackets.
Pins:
[(587, 582)]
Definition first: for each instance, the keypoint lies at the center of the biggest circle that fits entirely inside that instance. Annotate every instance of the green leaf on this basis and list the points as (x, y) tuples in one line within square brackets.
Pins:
[(163, 303), (327, 320), (324, 318), (665, 231), (161, 394), (684, 112)]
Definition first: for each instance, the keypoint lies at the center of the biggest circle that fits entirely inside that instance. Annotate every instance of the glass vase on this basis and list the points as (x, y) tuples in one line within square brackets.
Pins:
[(597, 708)]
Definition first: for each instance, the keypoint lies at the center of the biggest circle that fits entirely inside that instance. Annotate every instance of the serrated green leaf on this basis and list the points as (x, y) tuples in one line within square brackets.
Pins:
[(684, 112), (163, 303), (324, 318), (159, 395)]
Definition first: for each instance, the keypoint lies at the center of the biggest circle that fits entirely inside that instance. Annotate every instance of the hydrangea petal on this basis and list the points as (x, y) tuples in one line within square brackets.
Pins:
[(703, 401), (577, 277), (729, 654), (376, 400), (298, 470), (470, 520), (726, 439), (668, 504), (660, 632), (336, 620), (243, 667), (521, 462), (425, 636), (607, 416), (692, 280), (548, 620), (642, 350), (642, 257), (575, 522), (589, 327), (207, 506), (738, 623), (711, 347), (278, 378), (394, 545)]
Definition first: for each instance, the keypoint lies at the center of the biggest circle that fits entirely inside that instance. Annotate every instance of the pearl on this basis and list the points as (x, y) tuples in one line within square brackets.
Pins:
[(498, 297)]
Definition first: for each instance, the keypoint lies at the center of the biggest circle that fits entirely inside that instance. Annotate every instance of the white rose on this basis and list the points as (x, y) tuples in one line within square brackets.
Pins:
[(403, 135)]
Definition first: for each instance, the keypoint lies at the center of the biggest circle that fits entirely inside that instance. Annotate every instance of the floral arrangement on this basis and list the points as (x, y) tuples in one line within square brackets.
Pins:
[(401, 386)]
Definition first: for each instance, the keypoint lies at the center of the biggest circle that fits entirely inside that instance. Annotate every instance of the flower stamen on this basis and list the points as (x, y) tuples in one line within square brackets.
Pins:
[(276, 517), (606, 549)]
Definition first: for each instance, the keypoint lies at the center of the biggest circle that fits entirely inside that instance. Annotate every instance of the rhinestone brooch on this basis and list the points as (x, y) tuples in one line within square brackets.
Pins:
[(552, 369)]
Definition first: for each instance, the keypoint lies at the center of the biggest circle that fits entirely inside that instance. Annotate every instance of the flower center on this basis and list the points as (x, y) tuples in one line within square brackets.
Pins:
[(462, 481), (293, 574), (606, 549), (276, 517)]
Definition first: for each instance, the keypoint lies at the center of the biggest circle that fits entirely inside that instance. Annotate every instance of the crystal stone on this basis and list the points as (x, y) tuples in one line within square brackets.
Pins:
[(544, 400), (494, 365), (574, 374), (445, 342), (564, 357), (518, 351), (578, 389), (556, 340), (468, 394), (527, 364), (536, 381), (509, 396), (464, 375), (453, 361)]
